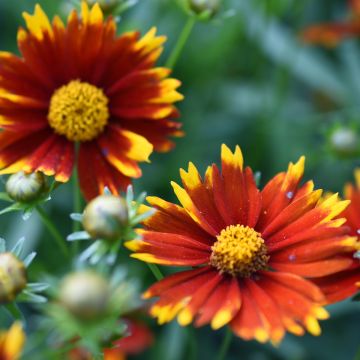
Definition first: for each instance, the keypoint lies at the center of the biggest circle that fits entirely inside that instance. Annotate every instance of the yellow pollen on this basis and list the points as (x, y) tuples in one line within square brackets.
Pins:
[(239, 251), (78, 111)]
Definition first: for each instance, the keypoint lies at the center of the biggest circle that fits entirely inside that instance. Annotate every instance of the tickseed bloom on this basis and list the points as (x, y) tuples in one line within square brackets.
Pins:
[(252, 252), (80, 83), (330, 34), (341, 285), (12, 342), (137, 339)]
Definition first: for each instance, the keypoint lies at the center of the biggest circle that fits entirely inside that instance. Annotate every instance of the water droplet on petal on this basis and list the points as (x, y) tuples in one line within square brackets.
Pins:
[(292, 257), (290, 195), (358, 231)]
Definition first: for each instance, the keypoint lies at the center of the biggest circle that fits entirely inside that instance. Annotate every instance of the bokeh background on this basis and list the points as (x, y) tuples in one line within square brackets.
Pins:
[(247, 80)]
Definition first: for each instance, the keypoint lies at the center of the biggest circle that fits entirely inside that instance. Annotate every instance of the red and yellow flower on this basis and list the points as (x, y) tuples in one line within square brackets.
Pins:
[(80, 83), (137, 340), (12, 342), (346, 283), (330, 34), (251, 253)]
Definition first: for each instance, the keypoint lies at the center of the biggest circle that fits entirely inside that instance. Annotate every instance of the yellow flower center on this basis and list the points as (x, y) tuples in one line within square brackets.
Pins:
[(239, 251), (78, 111)]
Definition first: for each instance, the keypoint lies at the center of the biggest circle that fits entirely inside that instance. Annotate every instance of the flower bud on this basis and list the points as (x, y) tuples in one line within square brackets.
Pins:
[(345, 141), (85, 294), (25, 187), (13, 277), (200, 6), (106, 217)]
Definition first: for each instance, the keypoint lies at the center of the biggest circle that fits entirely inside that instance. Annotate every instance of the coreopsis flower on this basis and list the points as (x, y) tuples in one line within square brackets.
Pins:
[(330, 34), (342, 285), (137, 340), (80, 83), (12, 342), (252, 253)]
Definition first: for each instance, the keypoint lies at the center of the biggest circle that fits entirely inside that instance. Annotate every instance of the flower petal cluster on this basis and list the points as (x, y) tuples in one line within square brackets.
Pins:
[(330, 34), (252, 253), (80, 83), (12, 342), (346, 283)]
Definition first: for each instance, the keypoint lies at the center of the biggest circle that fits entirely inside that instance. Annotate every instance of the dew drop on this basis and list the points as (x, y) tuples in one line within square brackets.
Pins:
[(292, 257), (358, 231), (290, 195)]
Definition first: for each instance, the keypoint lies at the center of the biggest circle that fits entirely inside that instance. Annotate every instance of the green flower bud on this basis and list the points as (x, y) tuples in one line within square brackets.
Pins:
[(13, 277), (345, 141), (201, 6), (85, 294), (23, 187), (106, 217)]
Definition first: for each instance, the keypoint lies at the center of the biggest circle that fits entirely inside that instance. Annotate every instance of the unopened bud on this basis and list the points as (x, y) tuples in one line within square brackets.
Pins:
[(201, 6), (85, 294), (345, 141), (25, 187), (13, 277), (106, 217)]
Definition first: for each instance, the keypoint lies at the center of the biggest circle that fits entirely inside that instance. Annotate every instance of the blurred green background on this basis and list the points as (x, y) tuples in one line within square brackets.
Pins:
[(247, 80)]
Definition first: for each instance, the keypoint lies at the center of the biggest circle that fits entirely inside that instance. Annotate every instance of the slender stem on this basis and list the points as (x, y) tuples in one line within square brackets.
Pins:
[(77, 202), (156, 271), (180, 44), (53, 230), (192, 343), (15, 311), (224, 348)]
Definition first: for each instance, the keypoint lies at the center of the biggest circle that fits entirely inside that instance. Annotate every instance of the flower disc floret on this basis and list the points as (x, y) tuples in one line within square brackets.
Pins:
[(239, 251), (79, 111)]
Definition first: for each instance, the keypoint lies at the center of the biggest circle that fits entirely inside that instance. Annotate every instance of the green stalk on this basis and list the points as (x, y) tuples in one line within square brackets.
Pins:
[(180, 44), (224, 348), (156, 271), (77, 201), (53, 230)]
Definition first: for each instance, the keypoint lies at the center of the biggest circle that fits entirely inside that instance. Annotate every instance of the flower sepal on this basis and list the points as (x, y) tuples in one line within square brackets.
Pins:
[(88, 305), (25, 193), (13, 273), (109, 220)]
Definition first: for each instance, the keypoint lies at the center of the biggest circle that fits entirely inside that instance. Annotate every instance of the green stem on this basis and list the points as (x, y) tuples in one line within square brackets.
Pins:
[(156, 271), (180, 44), (224, 348), (15, 311), (77, 202), (53, 230), (192, 343)]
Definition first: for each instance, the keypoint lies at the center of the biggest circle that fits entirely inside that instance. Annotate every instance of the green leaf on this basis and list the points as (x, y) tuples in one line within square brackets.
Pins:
[(13, 207)]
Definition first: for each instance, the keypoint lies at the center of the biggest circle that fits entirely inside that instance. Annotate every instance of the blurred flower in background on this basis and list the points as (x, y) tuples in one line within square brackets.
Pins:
[(330, 34), (253, 253), (107, 96), (12, 342)]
